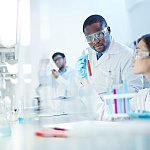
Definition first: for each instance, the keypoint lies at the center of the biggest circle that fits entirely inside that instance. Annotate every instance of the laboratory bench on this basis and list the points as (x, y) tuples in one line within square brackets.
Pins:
[(82, 134)]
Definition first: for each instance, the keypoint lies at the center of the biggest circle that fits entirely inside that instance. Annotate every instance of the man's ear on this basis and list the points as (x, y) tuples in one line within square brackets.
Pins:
[(109, 30), (65, 60)]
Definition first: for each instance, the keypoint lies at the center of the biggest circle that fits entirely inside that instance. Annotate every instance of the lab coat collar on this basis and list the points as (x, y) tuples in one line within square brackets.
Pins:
[(62, 72), (113, 50)]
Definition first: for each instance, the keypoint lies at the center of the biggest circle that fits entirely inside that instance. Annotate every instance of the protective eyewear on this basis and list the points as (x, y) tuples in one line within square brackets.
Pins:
[(98, 36), (141, 54)]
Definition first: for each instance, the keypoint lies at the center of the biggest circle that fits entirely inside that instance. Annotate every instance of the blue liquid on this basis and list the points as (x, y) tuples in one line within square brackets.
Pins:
[(24, 120), (110, 102), (120, 103), (126, 100), (5, 131)]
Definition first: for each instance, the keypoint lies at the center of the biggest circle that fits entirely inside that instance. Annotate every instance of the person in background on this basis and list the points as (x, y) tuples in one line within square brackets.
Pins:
[(60, 80), (141, 65), (64, 72), (64, 84), (110, 60)]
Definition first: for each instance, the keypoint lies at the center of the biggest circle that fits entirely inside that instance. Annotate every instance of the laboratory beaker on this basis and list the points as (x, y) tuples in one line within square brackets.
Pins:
[(5, 129)]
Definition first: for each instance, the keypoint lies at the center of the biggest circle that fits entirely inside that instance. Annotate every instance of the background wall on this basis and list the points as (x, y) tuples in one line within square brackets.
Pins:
[(57, 25), (138, 13), (47, 26)]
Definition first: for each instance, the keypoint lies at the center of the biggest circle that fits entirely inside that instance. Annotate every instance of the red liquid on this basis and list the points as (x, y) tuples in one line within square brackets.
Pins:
[(89, 68)]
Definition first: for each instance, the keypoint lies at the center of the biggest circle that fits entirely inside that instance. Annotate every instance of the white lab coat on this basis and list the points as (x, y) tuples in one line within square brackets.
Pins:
[(94, 105), (141, 101), (54, 91), (117, 60), (60, 87)]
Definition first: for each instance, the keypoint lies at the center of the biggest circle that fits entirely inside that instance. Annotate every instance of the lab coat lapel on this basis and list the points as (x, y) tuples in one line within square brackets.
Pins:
[(111, 51), (101, 60)]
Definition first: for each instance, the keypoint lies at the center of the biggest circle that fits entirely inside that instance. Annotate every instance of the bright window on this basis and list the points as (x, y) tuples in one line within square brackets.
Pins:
[(8, 22)]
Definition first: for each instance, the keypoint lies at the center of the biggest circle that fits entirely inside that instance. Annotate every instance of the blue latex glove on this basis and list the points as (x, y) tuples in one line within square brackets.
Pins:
[(81, 66)]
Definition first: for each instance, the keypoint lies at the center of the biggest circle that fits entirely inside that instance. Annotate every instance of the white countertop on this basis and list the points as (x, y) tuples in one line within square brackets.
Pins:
[(83, 135)]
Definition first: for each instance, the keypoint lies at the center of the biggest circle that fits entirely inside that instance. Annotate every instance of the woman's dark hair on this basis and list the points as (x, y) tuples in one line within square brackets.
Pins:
[(58, 53), (146, 39)]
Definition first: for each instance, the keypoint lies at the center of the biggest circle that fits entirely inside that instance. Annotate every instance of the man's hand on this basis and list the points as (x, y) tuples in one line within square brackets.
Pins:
[(55, 74)]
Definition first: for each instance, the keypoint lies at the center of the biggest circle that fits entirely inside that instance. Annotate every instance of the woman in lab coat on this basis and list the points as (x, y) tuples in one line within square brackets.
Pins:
[(141, 65)]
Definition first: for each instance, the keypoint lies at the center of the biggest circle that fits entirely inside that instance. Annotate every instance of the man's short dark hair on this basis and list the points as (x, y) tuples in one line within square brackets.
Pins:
[(58, 53), (94, 19)]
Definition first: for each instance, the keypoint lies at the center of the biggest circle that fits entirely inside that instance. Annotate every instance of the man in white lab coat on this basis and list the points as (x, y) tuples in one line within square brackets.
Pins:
[(110, 61), (58, 89), (64, 88), (60, 80)]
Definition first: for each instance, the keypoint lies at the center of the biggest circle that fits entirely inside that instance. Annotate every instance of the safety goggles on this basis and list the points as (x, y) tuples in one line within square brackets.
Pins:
[(141, 54), (98, 36)]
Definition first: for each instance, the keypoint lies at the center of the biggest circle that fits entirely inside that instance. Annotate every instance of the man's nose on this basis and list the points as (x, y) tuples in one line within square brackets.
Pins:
[(95, 41)]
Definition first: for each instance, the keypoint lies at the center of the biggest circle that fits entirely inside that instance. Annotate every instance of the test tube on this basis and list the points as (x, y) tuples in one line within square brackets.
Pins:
[(120, 102), (109, 91), (89, 67), (109, 101), (126, 101), (88, 62), (115, 102)]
